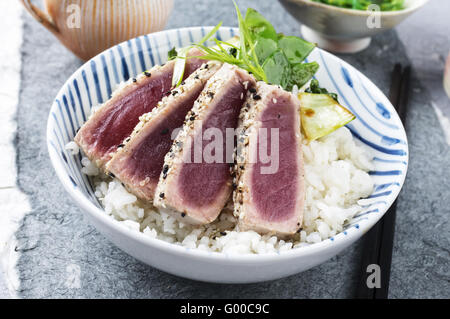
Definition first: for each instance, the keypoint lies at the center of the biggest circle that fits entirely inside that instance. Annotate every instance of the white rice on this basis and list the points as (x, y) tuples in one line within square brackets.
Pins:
[(335, 176)]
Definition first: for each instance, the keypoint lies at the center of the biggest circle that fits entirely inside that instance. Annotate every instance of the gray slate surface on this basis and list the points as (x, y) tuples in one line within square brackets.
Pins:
[(55, 239)]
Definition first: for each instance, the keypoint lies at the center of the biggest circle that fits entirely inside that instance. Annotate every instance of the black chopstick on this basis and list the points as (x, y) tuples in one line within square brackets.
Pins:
[(378, 243)]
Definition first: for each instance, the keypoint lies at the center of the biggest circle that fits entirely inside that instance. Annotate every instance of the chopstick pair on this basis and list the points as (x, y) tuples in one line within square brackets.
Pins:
[(378, 244)]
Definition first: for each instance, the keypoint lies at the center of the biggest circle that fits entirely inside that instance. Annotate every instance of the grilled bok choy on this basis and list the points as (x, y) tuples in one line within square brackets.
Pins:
[(321, 115)]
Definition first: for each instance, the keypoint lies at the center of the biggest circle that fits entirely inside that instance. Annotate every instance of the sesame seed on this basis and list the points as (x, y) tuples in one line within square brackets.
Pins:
[(183, 214), (165, 168), (252, 90), (256, 97), (147, 74), (223, 233), (161, 195)]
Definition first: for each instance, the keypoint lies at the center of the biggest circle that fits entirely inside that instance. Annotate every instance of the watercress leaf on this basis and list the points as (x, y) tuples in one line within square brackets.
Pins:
[(258, 25), (264, 48), (277, 69), (172, 54), (295, 49), (302, 73), (315, 88)]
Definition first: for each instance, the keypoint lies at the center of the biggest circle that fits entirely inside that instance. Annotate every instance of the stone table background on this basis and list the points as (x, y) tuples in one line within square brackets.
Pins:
[(61, 255)]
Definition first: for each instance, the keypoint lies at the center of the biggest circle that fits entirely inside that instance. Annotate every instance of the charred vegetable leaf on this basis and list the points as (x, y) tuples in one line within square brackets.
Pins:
[(295, 49), (259, 26), (277, 69), (315, 88), (321, 115), (302, 73)]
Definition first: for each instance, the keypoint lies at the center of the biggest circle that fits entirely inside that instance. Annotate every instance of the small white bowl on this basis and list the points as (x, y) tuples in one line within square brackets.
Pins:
[(377, 125), (342, 30)]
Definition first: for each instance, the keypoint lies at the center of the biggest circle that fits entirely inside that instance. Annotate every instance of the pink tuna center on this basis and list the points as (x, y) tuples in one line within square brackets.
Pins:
[(118, 123), (274, 194), (201, 183), (148, 158)]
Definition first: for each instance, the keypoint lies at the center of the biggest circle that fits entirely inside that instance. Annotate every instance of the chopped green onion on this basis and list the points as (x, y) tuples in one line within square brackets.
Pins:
[(180, 66)]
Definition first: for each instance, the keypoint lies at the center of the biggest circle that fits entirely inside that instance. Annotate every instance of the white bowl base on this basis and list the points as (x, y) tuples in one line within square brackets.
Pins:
[(335, 45)]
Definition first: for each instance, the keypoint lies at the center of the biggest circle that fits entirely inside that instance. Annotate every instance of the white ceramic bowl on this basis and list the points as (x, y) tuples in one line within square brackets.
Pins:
[(377, 125), (344, 30)]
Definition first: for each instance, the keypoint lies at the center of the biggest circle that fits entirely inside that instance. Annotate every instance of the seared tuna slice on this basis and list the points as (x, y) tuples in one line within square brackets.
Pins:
[(195, 189), (269, 194), (139, 163), (115, 120)]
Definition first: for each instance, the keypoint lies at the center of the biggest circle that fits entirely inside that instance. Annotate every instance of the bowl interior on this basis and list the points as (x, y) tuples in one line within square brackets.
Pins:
[(377, 125)]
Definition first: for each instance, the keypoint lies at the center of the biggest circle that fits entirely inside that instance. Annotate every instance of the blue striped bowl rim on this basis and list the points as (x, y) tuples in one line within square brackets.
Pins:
[(377, 125)]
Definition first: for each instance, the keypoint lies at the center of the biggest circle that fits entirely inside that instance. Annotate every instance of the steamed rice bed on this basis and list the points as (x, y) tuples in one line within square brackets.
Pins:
[(335, 178)]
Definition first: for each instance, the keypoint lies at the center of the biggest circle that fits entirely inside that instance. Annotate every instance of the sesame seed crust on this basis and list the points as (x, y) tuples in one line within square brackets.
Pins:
[(200, 111)]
